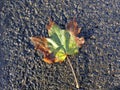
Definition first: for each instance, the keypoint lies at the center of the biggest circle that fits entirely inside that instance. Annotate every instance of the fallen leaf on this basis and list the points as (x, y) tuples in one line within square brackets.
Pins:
[(60, 43)]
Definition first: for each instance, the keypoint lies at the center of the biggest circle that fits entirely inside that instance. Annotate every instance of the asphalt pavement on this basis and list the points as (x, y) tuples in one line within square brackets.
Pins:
[(97, 65)]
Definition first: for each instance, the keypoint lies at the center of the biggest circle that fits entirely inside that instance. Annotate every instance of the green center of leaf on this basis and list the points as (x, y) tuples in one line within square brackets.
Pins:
[(61, 43)]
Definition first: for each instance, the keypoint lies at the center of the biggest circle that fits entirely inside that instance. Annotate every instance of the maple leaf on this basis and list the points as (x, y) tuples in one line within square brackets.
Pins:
[(60, 43)]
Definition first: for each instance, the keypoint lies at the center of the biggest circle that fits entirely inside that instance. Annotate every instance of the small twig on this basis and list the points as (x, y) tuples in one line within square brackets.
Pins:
[(76, 81)]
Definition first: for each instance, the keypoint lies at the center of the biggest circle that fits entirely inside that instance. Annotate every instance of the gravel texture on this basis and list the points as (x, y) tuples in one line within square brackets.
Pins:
[(97, 65)]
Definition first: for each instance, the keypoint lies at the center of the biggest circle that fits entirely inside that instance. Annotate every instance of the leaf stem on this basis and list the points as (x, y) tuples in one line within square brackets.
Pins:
[(76, 81)]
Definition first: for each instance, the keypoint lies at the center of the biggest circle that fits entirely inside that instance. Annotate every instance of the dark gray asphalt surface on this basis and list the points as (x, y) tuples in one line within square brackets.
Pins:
[(98, 63)]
